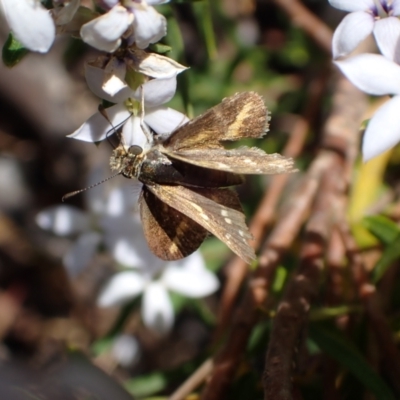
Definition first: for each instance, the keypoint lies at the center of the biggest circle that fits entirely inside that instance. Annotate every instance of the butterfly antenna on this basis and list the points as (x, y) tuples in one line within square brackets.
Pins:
[(71, 194)]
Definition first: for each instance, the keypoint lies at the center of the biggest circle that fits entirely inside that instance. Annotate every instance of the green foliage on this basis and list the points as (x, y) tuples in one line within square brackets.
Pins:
[(146, 385), (13, 51), (344, 352), (382, 227), (389, 233)]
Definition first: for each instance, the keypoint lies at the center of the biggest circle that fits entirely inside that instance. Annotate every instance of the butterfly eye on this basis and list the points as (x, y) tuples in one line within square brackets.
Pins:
[(135, 150)]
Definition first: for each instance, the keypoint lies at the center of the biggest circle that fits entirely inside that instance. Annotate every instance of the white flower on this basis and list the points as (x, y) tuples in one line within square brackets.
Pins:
[(106, 31), (30, 23), (154, 280), (377, 75), (125, 350), (107, 75), (366, 17), (161, 120), (109, 220)]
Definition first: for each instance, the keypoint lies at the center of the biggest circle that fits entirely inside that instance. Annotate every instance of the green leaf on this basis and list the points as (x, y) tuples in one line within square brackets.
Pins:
[(102, 345), (160, 48), (382, 227), (349, 357), (203, 13), (389, 256), (13, 51), (324, 313), (279, 279), (146, 385)]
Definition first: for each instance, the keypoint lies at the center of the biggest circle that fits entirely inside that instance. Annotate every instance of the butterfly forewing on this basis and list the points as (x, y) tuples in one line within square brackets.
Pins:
[(170, 234), (216, 210), (243, 160), (242, 115)]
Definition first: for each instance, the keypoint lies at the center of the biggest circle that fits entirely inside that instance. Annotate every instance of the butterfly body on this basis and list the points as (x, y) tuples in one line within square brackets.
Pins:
[(185, 178)]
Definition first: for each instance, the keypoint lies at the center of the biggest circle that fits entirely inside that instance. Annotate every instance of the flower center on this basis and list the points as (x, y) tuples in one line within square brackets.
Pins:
[(133, 106), (382, 8)]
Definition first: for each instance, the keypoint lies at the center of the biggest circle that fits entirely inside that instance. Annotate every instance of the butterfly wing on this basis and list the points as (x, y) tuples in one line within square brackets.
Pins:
[(170, 234), (242, 115), (216, 210), (243, 160)]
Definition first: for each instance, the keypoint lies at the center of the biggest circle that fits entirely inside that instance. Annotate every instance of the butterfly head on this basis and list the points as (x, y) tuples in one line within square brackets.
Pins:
[(127, 160)]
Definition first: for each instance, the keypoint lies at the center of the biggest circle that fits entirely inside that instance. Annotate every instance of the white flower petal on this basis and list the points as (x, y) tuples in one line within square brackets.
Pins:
[(125, 350), (156, 92), (97, 128), (123, 236), (157, 311), (387, 34), (116, 203), (114, 80), (352, 5), (354, 28), (133, 134), (372, 73), (30, 23), (383, 130), (63, 220), (190, 277), (121, 288), (155, 65), (165, 120), (156, 2), (95, 197), (123, 199), (97, 77), (149, 26), (81, 253), (104, 32), (396, 7)]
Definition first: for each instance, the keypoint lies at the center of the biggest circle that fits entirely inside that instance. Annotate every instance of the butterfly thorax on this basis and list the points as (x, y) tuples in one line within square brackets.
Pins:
[(127, 161)]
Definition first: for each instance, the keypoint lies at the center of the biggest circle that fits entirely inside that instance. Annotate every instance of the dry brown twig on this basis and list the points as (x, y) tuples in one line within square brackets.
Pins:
[(348, 106), (368, 294), (308, 22), (339, 135), (293, 310), (194, 381), (237, 269)]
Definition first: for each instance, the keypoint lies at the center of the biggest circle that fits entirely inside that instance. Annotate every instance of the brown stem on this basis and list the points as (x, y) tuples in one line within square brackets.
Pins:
[(237, 269), (302, 17), (342, 126), (293, 310), (370, 297)]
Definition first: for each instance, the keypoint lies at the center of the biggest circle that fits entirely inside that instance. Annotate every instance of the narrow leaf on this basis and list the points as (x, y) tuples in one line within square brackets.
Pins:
[(349, 357), (146, 385), (382, 227), (389, 256)]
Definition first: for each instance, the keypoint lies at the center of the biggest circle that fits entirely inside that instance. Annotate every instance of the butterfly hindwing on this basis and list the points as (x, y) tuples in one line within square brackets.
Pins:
[(242, 115), (170, 234), (243, 160), (216, 210), (163, 169)]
